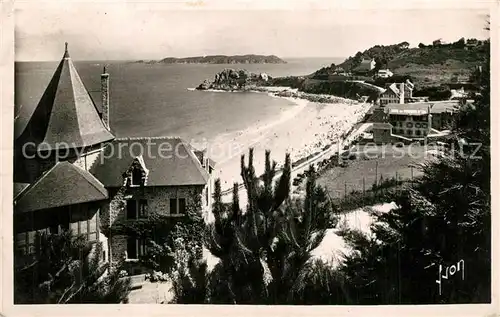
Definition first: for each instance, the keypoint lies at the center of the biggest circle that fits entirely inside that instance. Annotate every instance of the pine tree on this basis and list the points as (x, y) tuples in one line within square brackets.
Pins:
[(68, 270), (265, 252), (441, 219)]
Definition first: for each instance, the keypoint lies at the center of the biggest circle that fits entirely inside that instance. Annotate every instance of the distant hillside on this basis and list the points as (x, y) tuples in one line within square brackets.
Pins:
[(434, 69), (223, 59), (425, 65)]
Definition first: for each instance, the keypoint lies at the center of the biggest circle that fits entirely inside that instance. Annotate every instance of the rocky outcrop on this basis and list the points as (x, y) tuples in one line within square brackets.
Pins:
[(235, 79)]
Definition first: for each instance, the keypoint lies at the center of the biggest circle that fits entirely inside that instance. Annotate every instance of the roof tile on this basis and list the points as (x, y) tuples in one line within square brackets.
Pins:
[(170, 161), (64, 184), (65, 113)]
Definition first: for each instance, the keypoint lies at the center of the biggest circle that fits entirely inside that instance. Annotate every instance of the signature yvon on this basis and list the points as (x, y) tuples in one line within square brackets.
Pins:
[(449, 272)]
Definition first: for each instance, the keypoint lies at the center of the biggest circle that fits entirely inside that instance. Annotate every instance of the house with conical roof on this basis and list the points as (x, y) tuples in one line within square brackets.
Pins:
[(53, 189), (72, 173), (65, 125)]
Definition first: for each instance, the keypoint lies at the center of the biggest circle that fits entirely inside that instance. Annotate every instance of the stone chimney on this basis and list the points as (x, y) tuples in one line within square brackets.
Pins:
[(402, 93), (105, 98)]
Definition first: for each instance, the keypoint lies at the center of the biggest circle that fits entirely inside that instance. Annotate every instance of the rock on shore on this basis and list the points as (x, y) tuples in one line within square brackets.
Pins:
[(234, 79)]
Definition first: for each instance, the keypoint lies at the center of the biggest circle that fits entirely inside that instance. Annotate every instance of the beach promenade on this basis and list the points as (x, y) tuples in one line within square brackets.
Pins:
[(335, 148)]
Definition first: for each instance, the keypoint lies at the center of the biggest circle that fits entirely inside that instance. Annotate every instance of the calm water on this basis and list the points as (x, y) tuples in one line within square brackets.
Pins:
[(154, 100)]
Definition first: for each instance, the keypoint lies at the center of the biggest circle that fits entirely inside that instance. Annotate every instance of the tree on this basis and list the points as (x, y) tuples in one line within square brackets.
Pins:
[(67, 270), (441, 219), (265, 252), (460, 43), (404, 45), (421, 45)]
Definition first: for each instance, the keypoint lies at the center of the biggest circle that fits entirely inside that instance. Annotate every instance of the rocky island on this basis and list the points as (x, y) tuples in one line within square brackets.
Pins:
[(235, 79), (221, 59)]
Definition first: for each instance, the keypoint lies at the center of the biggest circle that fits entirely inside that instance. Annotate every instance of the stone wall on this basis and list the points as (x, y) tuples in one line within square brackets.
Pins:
[(158, 201)]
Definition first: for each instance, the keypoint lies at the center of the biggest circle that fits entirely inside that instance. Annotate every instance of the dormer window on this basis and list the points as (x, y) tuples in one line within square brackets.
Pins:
[(136, 177)]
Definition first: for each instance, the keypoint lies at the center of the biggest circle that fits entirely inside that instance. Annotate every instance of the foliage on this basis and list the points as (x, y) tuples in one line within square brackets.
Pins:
[(161, 233), (433, 92), (381, 53), (65, 270), (352, 90), (443, 218), (381, 82), (189, 276), (264, 251), (323, 285)]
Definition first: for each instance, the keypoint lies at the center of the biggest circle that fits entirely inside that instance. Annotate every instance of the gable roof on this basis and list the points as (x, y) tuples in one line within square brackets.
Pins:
[(170, 161), (65, 113), (392, 88), (64, 184)]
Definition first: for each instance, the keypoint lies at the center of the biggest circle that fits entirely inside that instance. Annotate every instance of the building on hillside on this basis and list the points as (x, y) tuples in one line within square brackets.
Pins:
[(365, 66), (458, 94), (171, 179), (397, 93), (470, 43), (382, 132), (64, 135), (417, 120), (384, 73), (378, 114)]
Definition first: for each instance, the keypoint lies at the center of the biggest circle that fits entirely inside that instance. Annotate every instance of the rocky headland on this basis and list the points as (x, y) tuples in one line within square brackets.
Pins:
[(221, 59)]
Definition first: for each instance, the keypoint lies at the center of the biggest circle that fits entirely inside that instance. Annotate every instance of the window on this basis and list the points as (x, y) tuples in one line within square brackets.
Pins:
[(136, 177), (136, 208), (136, 248), (143, 203), (131, 248), (417, 132), (131, 209), (206, 196), (410, 132), (83, 220), (177, 206), (173, 206), (182, 205)]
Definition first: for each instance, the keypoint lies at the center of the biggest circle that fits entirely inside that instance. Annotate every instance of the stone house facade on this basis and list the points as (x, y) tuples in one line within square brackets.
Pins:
[(143, 184)]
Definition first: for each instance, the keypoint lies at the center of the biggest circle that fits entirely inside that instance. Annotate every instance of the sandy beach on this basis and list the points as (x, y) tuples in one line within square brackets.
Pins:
[(303, 129)]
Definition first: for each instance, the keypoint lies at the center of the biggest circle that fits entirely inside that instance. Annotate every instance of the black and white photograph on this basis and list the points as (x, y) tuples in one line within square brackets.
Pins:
[(195, 154)]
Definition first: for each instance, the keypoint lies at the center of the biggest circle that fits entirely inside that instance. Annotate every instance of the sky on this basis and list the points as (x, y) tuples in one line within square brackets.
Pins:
[(128, 31)]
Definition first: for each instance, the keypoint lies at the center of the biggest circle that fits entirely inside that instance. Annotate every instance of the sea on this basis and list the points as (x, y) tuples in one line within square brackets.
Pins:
[(158, 99)]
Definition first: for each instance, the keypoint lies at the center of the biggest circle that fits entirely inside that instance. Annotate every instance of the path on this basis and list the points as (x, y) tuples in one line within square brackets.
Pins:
[(333, 149)]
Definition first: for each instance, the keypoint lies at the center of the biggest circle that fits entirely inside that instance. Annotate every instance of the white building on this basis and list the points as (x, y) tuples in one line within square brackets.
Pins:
[(384, 73)]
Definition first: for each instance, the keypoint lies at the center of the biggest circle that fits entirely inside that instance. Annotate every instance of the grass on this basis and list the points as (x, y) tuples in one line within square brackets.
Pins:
[(386, 161)]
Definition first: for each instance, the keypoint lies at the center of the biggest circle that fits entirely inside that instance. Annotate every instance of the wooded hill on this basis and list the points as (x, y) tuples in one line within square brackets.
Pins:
[(426, 65)]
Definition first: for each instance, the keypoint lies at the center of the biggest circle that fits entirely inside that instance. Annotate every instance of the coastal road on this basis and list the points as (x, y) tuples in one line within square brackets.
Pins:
[(367, 84), (335, 148)]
